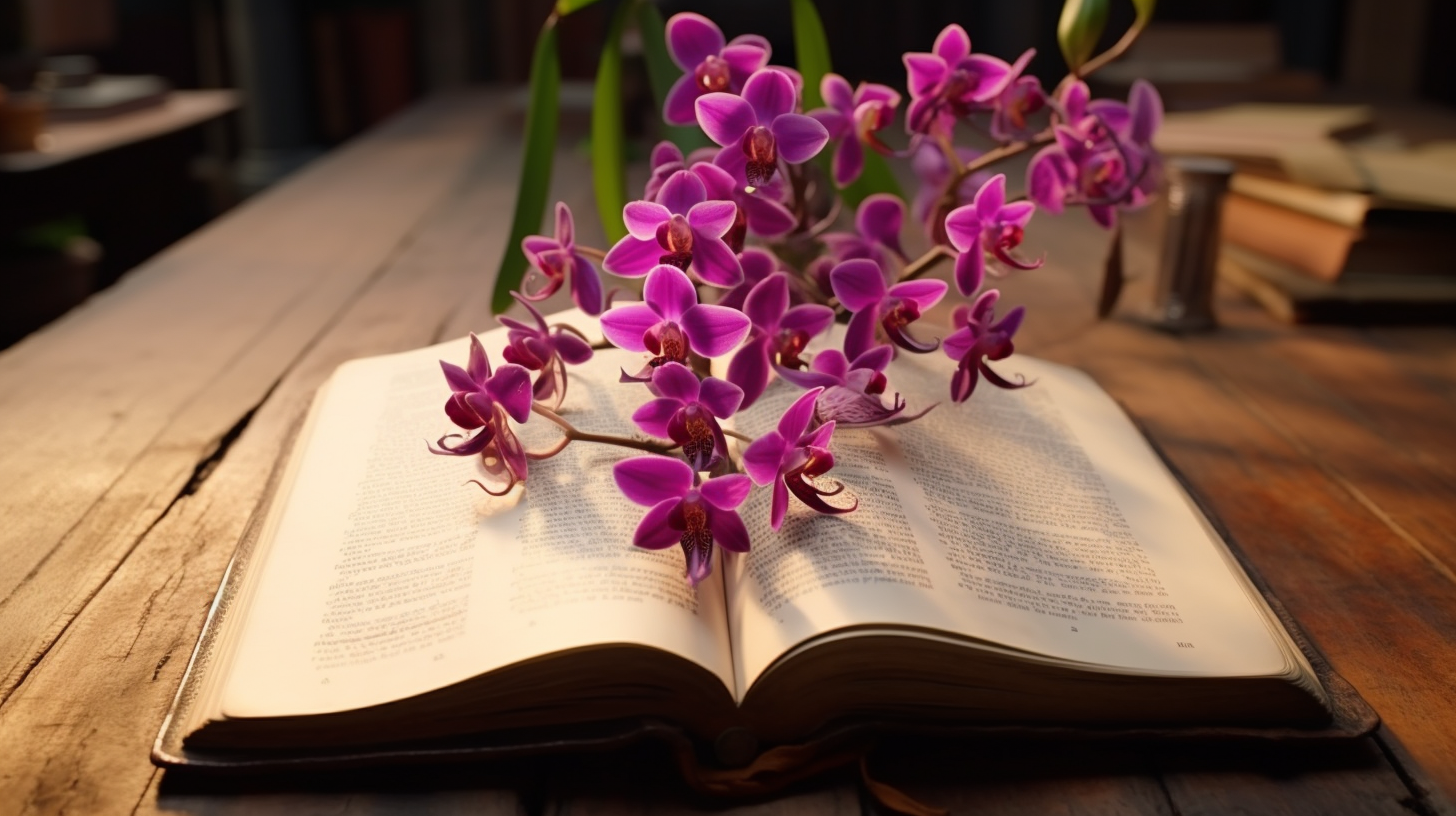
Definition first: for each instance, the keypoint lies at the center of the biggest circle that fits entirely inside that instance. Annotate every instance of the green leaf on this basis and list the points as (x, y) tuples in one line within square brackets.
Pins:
[(1144, 12), (876, 178), (662, 72), (608, 134), (540, 148), (1078, 30), (812, 47), (565, 7)]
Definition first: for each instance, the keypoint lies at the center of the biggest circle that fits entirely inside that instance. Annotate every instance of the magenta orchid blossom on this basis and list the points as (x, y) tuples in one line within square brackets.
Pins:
[(761, 211), (793, 458), (934, 200), (481, 400), (987, 225), (852, 119), (780, 335), (950, 82), (760, 127), (682, 229), (860, 286), (552, 258), (544, 349), (696, 44), (695, 515), (980, 337), (687, 412), (852, 389), (670, 323)]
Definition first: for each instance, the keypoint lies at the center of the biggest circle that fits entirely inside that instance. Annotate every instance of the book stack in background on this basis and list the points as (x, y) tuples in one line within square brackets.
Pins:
[(1325, 222)]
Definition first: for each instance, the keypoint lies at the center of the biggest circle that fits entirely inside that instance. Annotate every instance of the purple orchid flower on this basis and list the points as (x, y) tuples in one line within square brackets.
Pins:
[(852, 389), (933, 202), (758, 263), (683, 229), (951, 82), (987, 224), (860, 286), (696, 44), (540, 348), (876, 235), (780, 335), (1013, 109), (760, 127), (1103, 156), (670, 323), (696, 517), (793, 458), (853, 118), (551, 258), (480, 399), (980, 337), (687, 412), (761, 212)]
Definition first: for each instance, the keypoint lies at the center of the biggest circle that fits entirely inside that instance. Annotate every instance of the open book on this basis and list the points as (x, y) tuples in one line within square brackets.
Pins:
[(1024, 557)]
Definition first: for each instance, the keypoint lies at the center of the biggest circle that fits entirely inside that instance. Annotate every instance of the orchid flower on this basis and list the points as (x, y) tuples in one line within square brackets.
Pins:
[(793, 457), (761, 212), (951, 82), (852, 388), (480, 399), (980, 337), (1103, 156), (1021, 99), (760, 127), (696, 516), (687, 412), (876, 234), (683, 229), (780, 335), (758, 264), (852, 119), (551, 258), (539, 348), (696, 44), (987, 224), (670, 323), (860, 286), (933, 201)]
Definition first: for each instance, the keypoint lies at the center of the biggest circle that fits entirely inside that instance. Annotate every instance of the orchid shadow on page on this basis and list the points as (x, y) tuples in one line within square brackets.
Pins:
[(392, 609)]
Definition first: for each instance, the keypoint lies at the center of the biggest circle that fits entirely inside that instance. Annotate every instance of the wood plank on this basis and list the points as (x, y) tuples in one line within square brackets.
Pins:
[(174, 357), (77, 732)]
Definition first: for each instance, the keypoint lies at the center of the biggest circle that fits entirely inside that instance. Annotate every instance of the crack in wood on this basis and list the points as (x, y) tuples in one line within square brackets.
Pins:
[(1419, 802)]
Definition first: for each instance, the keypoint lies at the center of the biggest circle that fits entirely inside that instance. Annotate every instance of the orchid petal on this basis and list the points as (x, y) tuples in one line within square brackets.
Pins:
[(647, 480), (654, 415), (859, 336), (632, 257), (924, 73), (716, 181), (963, 228), (680, 108), (836, 92), (1046, 179), (457, 378), (714, 262), (642, 218), (653, 531), (761, 459), (766, 218), (710, 218), (880, 217), (990, 198), (837, 124), (678, 195), (953, 44), (799, 138), (1017, 213), (726, 492), (1147, 111), (720, 397), (874, 359), (750, 370), (810, 318), (460, 414), (992, 77), (970, 269), (768, 301), (924, 293), (665, 152), (725, 118), (624, 325), (796, 419), (729, 531), (714, 330), (534, 245), (565, 229), (675, 381), (780, 504), (745, 55), (808, 379), (858, 283), (958, 344), (586, 286), (692, 38), (771, 94), (848, 161), (511, 388), (572, 349), (668, 292)]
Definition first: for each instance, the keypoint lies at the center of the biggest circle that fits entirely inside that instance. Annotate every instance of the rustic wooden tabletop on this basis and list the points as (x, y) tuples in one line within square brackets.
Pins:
[(137, 432)]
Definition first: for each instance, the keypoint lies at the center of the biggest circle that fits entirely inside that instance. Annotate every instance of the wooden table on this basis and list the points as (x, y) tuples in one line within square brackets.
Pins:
[(135, 435)]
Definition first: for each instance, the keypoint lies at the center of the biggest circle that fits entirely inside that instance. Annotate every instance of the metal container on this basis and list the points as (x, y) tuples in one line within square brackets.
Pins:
[(1183, 297)]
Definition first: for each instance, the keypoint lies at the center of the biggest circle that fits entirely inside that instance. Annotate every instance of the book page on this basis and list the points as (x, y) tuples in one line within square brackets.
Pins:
[(1038, 519), (390, 575)]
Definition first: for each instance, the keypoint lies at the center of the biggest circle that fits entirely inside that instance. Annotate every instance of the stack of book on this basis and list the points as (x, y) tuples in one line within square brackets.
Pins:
[(1321, 226)]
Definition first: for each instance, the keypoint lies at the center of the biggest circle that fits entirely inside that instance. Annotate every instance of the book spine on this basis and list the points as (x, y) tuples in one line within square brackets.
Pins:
[(1313, 246)]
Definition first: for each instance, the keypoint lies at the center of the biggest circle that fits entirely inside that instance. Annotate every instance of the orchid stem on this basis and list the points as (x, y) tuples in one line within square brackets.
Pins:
[(574, 435), (736, 435), (602, 345), (592, 252), (926, 262)]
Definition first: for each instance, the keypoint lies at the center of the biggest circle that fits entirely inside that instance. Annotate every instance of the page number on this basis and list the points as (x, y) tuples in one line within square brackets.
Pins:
[(1184, 645)]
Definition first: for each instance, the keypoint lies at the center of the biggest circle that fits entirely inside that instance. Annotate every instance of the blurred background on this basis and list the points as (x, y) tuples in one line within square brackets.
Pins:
[(126, 124)]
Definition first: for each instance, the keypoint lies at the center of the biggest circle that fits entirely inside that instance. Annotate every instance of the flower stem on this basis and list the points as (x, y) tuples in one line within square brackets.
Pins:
[(736, 435), (926, 262), (592, 252), (574, 435)]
